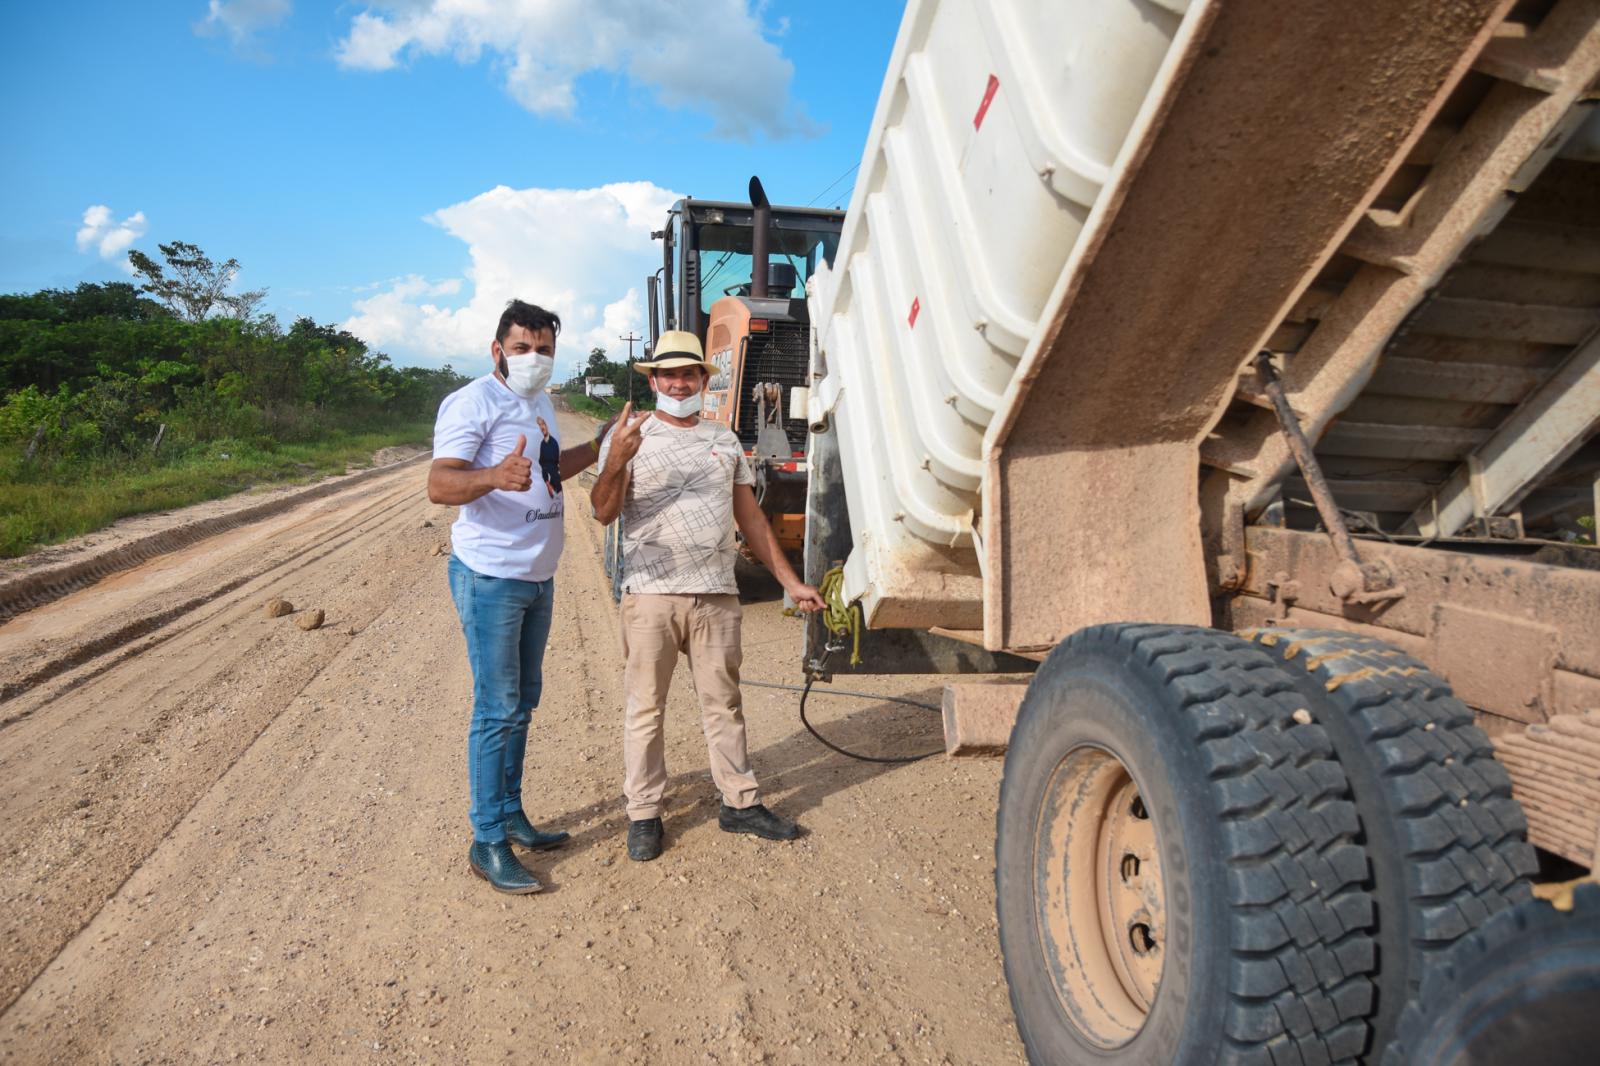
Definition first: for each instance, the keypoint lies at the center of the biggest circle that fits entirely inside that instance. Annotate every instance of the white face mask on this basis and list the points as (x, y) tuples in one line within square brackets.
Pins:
[(689, 405), (526, 374)]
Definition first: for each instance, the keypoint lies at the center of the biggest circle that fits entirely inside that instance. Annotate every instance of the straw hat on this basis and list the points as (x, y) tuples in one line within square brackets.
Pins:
[(675, 347)]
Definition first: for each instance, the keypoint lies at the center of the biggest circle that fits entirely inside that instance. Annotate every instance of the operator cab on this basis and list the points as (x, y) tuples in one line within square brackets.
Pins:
[(752, 324)]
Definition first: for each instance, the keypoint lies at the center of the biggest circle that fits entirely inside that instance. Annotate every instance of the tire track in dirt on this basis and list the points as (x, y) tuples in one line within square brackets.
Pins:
[(62, 659), (129, 777), (306, 896), (34, 590)]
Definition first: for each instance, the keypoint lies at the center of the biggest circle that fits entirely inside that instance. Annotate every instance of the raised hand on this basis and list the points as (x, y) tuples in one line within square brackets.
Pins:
[(514, 473), (626, 438)]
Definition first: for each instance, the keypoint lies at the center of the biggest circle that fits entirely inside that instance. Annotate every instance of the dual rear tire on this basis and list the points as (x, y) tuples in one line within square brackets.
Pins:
[(1178, 872), (1446, 841), (1213, 850)]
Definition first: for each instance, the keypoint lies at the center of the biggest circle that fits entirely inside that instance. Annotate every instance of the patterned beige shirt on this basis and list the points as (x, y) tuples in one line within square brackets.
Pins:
[(677, 518)]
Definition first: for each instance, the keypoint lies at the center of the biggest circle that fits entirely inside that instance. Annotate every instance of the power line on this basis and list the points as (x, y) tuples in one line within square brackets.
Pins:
[(834, 183)]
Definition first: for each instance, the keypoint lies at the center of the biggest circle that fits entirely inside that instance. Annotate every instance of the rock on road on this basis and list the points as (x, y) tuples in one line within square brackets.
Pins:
[(226, 838)]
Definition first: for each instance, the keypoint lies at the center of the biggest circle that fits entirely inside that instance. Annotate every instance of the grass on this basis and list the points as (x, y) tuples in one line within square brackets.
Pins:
[(46, 506), (603, 409), (588, 405)]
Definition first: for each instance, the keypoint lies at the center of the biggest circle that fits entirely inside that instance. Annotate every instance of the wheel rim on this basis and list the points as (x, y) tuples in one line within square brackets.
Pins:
[(1100, 896)]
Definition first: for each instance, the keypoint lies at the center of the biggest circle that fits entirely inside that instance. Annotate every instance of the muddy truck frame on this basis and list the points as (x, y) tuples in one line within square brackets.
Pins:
[(1234, 366)]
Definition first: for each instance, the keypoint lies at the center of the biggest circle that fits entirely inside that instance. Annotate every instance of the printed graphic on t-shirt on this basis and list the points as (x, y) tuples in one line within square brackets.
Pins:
[(504, 534), (549, 460)]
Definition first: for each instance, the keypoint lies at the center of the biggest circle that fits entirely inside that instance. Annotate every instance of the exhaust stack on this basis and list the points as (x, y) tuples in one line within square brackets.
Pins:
[(760, 238)]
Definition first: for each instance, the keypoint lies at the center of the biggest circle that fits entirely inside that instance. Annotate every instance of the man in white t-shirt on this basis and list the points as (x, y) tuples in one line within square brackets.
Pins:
[(681, 485), (507, 540)]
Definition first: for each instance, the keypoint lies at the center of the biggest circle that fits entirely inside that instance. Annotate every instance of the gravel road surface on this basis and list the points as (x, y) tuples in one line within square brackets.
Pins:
[(226, 838)]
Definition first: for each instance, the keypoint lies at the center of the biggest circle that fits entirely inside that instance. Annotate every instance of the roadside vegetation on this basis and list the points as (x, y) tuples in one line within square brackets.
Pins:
[(604, 371), (119, 399), (588, 405)]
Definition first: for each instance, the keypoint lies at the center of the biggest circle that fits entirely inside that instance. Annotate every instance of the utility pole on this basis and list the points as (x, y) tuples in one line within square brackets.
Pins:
[(630, 338)]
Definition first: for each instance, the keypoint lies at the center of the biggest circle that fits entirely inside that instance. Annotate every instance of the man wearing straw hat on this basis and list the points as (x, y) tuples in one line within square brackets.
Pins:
[(681, 485)]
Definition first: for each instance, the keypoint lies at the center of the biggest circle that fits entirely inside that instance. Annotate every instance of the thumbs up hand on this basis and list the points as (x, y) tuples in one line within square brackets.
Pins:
[(514, 472)]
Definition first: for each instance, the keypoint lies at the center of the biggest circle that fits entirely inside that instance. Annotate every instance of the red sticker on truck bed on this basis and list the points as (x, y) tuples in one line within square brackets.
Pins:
[(988, 98), (916, 305)]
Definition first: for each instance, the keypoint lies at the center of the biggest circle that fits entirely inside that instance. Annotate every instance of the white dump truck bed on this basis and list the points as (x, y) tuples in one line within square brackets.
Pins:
[(1443, 330), (1076, 225), (997, 131)]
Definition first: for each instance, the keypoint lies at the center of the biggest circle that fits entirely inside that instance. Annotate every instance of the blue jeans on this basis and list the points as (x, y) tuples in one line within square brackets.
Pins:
[(506, 623)]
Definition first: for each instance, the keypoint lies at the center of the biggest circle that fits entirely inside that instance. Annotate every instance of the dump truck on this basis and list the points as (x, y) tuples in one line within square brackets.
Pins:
[(1234, 366)]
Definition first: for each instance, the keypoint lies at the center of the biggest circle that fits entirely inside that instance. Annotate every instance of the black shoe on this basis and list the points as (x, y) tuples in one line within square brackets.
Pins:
[(521, 831), (496, 864), (644, 839), (758, 821)]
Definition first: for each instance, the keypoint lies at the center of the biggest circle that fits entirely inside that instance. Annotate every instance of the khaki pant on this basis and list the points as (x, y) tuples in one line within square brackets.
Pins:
[(705, 629)]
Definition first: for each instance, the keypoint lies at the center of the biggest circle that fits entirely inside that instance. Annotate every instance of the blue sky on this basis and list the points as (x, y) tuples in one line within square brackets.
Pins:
[(403, 168)]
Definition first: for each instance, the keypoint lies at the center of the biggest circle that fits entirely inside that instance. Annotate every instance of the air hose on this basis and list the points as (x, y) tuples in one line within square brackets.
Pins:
[(805, 693), (841, 618)]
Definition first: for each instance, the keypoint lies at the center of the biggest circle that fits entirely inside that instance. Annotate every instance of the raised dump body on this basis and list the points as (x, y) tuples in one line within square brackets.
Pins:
[(1040, 401), (1076, 225), (986, 159)]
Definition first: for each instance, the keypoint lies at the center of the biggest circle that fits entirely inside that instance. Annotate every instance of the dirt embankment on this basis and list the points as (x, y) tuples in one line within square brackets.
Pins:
[(227, 838)]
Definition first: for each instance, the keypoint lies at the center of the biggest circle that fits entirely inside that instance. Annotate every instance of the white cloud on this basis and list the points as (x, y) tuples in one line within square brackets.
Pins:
[(712, 55), (239, 20), (583, 253), (108, 238), (372, 44)]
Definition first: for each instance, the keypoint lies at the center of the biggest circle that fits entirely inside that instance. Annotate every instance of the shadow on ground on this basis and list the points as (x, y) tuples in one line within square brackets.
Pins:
[(796, 773)]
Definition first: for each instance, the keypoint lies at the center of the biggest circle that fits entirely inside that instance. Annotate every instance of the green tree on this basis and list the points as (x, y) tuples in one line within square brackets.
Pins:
[(196, 286), (93, 373), (116, 299)]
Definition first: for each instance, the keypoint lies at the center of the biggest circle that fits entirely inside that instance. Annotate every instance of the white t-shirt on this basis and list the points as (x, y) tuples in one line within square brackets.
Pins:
[(503, 534), (677, 519)]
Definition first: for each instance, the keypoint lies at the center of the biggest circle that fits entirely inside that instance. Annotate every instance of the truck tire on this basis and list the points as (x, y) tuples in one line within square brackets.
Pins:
[(1178, 873), (1524, 987), (1447, 842)]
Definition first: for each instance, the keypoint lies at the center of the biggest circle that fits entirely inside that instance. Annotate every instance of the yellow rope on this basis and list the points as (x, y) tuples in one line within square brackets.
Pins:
[(838, 616)]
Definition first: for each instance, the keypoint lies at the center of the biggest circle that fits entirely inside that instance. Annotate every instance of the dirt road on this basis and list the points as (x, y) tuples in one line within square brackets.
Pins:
[(226, 838)]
